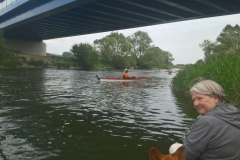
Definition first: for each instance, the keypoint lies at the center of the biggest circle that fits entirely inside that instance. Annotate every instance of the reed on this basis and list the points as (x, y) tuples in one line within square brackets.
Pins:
[(222, 69)]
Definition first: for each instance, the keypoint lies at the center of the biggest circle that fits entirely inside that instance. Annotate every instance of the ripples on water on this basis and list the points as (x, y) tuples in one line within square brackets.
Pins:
[(69, 114)]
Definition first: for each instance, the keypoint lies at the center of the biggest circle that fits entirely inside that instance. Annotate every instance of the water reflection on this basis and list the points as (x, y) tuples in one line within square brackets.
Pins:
[(68, 114), (186, 104)]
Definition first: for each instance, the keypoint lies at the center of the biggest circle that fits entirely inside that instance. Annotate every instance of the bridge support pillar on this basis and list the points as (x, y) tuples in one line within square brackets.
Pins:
[(26, 47)]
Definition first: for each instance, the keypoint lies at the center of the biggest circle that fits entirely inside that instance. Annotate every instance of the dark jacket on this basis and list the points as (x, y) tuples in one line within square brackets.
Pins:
[(215, 136)]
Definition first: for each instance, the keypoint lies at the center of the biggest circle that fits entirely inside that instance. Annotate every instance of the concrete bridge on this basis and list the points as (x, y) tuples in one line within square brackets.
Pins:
[(27, 22)]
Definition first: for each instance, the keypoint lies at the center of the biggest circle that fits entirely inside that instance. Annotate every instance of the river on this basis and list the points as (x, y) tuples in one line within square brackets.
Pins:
[(70, 115)]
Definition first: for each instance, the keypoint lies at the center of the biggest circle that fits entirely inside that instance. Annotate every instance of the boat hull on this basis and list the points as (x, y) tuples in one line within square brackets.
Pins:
[(122, 79), (118, 79)]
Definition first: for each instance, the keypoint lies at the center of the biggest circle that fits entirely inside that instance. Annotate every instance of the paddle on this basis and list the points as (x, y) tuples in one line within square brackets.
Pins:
[(97, 77)]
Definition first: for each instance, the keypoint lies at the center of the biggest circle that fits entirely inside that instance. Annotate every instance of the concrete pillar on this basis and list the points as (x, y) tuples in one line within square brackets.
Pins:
[(26, 47)]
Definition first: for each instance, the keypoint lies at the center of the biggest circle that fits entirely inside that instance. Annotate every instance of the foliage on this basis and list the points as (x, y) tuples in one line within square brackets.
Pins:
[(180, 66), (153, 58), (224, 70), (208, 47), (156, 58), (67, 54), (11, 63), (168, 59), (114, 51), (63, 61), (140, 43), (102, 63), (221, 64), (38, 63), (228, 41), (114, 48), (52, 55), (130, 61), (134, 51), (63, 65), (86, 55)]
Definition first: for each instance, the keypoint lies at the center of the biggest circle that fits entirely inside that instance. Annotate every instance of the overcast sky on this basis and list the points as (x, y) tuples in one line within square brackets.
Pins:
[(181, 39)]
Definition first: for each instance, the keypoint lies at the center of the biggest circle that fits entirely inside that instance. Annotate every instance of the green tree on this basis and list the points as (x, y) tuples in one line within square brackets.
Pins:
[(168, 59), (86, 55), (229, 39), (67, 54), (153, 58), (114, 48), (227, 42), (208, 47), (140, 43)]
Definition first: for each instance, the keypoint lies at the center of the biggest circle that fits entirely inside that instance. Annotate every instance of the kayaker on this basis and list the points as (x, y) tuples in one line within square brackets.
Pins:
[(215, 133), (126, 74), (169, 71)]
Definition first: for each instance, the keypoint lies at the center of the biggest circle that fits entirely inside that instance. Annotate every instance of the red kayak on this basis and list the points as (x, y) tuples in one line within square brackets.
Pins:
[(115, 79)]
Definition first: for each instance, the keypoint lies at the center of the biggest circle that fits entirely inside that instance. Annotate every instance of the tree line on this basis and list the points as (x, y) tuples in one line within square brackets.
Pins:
[(119, 52), (113, 51)]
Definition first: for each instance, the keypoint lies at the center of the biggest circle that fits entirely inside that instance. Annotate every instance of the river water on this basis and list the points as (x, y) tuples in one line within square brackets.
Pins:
[(70, 115)]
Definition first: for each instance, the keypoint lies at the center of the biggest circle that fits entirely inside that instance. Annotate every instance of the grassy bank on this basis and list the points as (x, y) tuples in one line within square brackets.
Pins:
[(224, 70), (49, 61), (27, 61)]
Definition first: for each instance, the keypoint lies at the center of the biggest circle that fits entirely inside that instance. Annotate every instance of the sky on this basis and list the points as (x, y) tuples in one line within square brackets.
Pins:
[(181, 39)]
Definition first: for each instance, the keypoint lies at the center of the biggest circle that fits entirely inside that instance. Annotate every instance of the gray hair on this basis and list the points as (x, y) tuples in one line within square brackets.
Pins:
[(210, 88)]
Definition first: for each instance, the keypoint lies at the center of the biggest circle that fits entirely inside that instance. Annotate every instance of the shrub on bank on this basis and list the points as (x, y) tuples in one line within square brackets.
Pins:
[(9, 63), (63, 61), (39, 63), (224, 70), (63, 65)]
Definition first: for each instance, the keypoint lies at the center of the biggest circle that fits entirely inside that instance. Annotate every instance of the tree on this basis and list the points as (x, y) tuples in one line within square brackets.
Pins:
[(229, 38), (86, 55), (114, 48), (168, 59), (208, 47), (227, 42), (153, 58), (140, 43), (200, 61), (67, 54), (156, 58)]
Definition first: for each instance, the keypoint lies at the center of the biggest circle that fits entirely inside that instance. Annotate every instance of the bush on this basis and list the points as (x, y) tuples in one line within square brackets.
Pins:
[(24, 59), (11, 63), (86, 55), (39, 63), (63, 65)]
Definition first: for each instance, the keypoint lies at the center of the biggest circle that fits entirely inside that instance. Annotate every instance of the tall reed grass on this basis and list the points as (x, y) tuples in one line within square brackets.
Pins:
[(224, 70)]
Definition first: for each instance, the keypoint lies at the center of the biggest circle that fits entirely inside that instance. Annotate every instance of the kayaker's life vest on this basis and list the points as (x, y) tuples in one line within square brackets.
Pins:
[(126, 75)]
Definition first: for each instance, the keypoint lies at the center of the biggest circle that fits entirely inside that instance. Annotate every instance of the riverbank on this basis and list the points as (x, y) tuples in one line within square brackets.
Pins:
[(36, 61), (46, 59), (49, 61)]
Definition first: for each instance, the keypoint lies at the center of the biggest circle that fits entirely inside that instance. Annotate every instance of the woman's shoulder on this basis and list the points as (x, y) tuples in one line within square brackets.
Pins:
[(207, 119), (223, 109)]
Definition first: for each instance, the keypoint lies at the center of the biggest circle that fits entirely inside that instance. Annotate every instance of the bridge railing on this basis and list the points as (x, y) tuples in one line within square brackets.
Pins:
[(4, 4)]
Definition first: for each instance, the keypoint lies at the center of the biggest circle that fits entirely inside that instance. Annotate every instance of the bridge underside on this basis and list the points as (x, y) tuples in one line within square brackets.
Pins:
[(95, 16)]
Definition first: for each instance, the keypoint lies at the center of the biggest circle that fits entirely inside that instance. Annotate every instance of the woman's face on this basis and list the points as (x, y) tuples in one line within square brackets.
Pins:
[(204, 103)]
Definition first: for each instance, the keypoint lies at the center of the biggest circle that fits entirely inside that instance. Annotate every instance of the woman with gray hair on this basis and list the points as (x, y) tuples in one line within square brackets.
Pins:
[(215, 134)]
